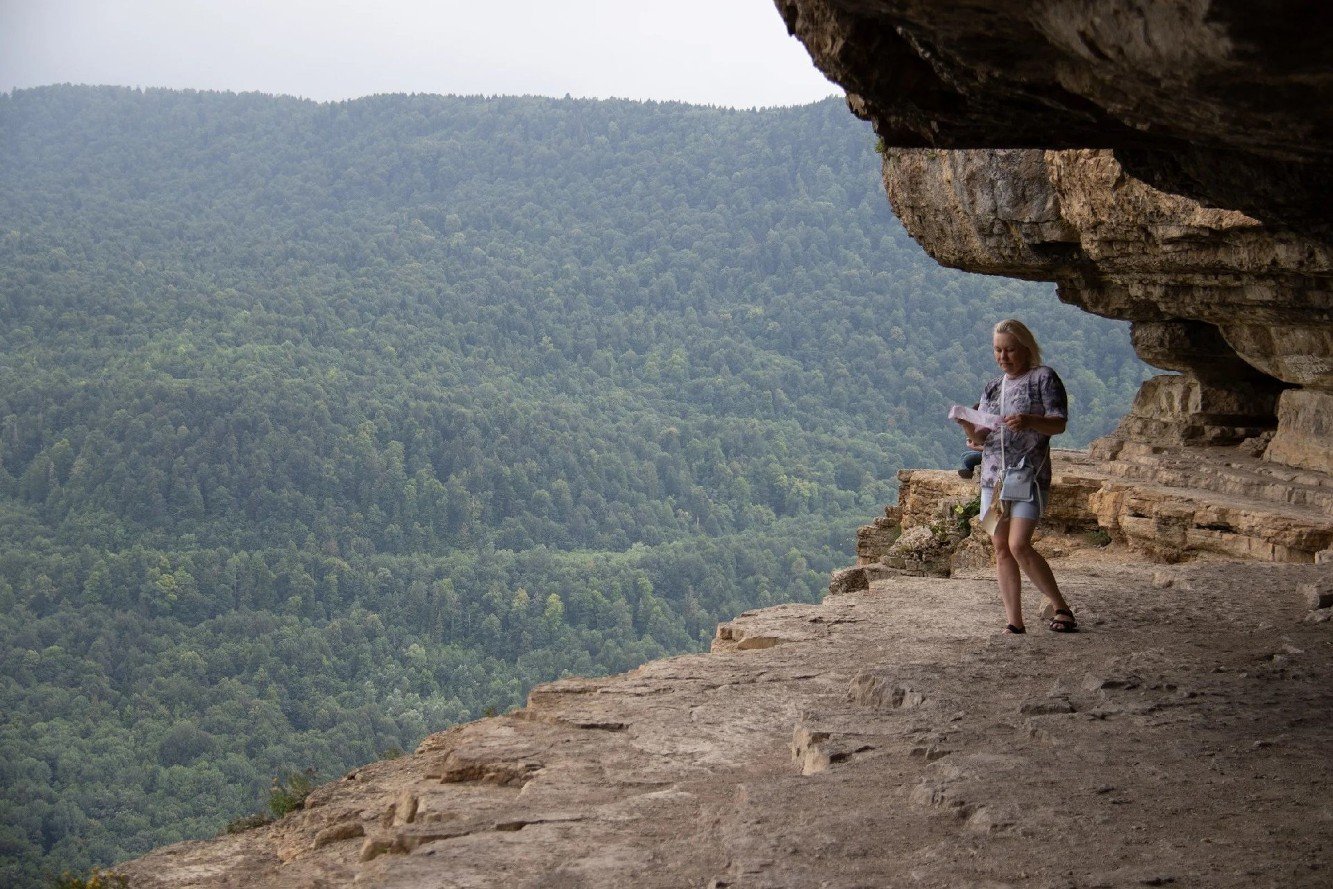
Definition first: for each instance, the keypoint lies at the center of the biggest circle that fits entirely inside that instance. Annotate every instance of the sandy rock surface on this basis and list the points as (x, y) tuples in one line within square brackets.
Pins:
[(889, 737)]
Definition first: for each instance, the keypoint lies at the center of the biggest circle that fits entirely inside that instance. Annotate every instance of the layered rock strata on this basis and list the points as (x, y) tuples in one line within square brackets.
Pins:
[(1245, 316), (1169, 505), (932, 531)]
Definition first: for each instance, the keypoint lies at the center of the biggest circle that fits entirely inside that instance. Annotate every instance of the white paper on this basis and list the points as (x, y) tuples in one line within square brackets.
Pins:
[(990, 522), (979, 419)]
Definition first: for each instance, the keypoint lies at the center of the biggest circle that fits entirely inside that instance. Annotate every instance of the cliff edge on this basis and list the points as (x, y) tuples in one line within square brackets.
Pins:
[(890, 736)]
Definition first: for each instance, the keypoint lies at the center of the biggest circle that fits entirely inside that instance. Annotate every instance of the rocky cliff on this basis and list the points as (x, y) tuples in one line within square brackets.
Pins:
[(1165, 162), (1225, 101)]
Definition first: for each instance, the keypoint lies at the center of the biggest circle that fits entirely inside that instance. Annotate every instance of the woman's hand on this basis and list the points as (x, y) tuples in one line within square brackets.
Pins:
[(976, 438)]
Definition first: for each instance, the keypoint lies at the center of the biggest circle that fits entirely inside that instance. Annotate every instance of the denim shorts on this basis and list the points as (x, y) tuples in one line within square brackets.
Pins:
[(1017, 509)]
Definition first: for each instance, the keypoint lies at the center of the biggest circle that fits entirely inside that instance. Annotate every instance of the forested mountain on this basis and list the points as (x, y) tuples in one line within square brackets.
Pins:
[(323, 426)]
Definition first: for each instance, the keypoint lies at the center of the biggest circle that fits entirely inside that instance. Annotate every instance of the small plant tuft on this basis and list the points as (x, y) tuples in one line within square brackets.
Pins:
[(98, 879), (964, 513), (1098, 538), (248, 822), (286, 794), (289, 794)]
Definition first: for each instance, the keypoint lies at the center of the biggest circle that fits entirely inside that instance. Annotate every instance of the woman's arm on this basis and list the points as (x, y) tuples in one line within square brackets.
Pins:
[(1047, 426), (1050, 399)]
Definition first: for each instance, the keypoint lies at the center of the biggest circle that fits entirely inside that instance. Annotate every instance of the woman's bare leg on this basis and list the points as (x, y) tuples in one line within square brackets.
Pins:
[(1006, 572), (1037, 569)]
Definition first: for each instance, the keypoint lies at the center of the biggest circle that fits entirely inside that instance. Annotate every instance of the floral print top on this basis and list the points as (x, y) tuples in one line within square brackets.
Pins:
[(1038, 391)]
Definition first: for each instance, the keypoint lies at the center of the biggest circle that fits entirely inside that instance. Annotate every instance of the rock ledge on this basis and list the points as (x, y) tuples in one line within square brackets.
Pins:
[(1181, 711)]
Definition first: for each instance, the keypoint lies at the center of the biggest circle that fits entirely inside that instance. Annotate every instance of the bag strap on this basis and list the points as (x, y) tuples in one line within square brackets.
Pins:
[(1004, 463)]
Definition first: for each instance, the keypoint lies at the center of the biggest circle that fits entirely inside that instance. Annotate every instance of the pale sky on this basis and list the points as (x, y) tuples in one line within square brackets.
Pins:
[(718, 52)]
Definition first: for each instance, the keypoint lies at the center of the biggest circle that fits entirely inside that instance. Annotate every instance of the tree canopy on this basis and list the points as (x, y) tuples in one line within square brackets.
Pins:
[(323, 426)]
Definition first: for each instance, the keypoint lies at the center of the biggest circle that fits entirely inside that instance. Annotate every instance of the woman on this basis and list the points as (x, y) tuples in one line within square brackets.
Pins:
[(1031, 401)]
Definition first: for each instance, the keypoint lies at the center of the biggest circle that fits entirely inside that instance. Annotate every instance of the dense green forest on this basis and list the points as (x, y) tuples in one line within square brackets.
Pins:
[(324, 426)]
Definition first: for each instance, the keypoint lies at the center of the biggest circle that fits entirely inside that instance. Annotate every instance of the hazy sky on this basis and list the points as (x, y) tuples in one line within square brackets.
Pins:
[(722, 52)]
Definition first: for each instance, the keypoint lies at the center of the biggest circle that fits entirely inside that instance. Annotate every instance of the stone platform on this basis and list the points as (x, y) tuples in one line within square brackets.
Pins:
[(889, 737)]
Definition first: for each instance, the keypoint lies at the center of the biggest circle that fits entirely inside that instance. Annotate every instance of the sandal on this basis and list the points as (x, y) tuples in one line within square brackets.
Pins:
[(1060, 625), (1011, 630)]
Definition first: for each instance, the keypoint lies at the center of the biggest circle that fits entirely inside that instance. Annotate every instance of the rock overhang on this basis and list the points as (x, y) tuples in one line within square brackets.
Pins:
[(1164, 162), (1223, 100)]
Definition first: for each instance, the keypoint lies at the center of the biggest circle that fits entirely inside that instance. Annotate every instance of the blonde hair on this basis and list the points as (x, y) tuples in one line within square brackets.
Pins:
[(1019, 331)]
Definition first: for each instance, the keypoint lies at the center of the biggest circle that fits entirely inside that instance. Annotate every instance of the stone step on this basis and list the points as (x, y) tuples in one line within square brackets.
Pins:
[(1172, 521), (1172, 501), (1231, 474), (1173, 504), (1219, 500)]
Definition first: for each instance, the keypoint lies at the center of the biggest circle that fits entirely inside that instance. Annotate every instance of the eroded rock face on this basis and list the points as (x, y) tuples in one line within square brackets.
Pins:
[(1242, 312), (1222, 100), (1165, 162)]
